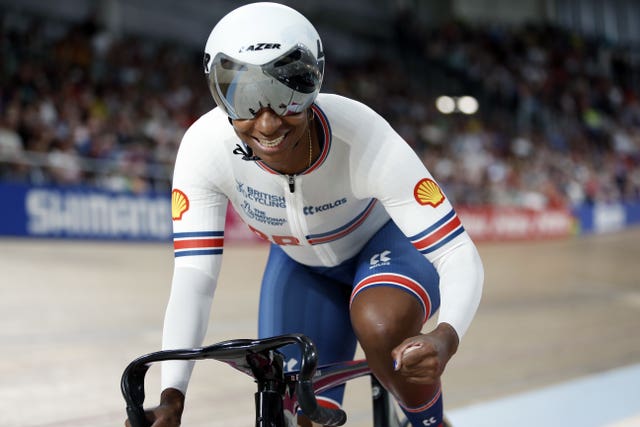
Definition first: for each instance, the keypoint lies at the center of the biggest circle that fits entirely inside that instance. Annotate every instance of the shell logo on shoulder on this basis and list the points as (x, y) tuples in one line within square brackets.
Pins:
[(179, 204), (427, 192)]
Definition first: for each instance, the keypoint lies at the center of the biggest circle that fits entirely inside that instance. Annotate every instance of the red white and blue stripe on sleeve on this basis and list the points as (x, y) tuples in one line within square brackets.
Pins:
[(198, 243), (439, 234)]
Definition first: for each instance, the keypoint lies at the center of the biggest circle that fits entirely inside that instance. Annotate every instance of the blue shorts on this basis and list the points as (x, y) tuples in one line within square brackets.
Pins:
[(295, 298)]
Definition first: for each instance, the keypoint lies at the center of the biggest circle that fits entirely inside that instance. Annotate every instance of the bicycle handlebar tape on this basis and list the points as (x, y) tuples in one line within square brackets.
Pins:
[(132, 386), (316, 413), (137, 418)]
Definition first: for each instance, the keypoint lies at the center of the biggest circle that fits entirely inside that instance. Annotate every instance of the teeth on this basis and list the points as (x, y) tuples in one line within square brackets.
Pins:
[(272, 142)]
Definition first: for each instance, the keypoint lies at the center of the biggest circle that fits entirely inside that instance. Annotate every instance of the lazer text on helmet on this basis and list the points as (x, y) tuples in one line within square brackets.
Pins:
[(260, 46)]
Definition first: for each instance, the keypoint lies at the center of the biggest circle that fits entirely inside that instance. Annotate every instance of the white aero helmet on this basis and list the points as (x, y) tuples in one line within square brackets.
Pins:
[(263, 55)]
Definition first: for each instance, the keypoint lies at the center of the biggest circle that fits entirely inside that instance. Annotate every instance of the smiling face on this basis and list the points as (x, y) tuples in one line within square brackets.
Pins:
[(282, 142)]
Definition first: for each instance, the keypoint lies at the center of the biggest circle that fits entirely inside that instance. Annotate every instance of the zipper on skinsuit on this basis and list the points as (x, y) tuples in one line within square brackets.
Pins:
[(294, 206), (292, 183)]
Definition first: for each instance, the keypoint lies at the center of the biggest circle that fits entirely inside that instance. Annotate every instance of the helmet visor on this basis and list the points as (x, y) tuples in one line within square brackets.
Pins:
[(288, 84)]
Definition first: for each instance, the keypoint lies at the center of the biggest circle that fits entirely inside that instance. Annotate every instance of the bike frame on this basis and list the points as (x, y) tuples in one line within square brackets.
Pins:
[(279, 394)]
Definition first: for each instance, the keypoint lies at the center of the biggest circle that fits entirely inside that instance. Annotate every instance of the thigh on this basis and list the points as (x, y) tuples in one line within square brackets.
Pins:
[(295, 299), (390, 260)]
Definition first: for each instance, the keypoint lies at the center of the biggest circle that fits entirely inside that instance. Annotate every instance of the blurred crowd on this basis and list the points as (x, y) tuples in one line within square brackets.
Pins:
[(559, 119), (79, 106)]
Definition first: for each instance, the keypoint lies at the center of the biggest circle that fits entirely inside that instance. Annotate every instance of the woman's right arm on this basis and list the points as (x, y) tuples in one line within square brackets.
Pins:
[(198, 211)]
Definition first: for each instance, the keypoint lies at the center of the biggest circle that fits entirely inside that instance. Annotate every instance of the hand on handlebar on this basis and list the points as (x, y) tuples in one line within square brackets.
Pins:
[(235, 352), (422, 359), (168, 413)]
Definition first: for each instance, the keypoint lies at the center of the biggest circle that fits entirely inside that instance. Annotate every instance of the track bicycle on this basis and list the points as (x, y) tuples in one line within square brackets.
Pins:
[(279, 394)]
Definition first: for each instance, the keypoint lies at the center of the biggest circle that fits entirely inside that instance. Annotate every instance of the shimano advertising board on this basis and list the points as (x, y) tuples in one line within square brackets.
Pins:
[(84, 213)]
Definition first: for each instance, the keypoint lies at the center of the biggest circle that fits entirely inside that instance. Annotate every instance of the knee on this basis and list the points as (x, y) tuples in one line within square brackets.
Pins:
[(377, 330), (383, 317)]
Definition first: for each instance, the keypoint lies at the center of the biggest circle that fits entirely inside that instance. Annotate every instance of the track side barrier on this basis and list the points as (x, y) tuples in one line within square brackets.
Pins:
[(89, 213)]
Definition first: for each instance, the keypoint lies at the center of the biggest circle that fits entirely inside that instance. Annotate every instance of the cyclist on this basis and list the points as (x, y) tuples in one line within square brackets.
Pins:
[(365, 246)]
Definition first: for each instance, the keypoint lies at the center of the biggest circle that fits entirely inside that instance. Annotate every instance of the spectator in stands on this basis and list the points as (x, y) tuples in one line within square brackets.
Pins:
[(572, 96)]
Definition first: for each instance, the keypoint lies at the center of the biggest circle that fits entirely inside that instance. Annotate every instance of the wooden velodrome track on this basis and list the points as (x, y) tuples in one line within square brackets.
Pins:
[(73, 314)]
